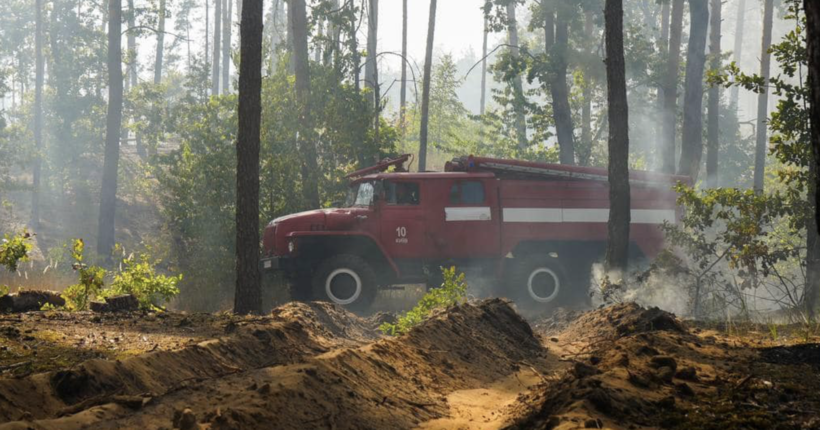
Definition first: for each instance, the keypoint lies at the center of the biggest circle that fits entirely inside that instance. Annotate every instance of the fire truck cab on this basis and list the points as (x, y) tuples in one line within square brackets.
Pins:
[(534, 228)]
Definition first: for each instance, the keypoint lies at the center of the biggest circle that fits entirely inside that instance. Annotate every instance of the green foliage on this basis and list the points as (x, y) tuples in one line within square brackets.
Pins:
[(452, 292), (14, 250), (91, 280), (139, 278)]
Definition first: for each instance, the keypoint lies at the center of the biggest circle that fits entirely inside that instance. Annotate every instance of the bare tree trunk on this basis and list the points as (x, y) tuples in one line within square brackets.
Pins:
[(692, 140), (763, 97), (425, 93), (518, 90), (207, 27), (217, 52), (108, 190), (370, 66), (248, 295), (403, 91), (160, 44), (713, 133), (670, 98), (617, 251), (741, 22), (586, 109), (354, 48), (665, 10), (310, 166), (812, 9), (227, 24), (482, 108), (38, 113), (561, 110), (132, 47)]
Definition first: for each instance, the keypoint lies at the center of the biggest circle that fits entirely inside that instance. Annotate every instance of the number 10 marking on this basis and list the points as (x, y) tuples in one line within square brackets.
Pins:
[(401, 231)]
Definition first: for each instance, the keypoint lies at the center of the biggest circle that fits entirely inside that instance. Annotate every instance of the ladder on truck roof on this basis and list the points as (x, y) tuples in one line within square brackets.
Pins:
[(544, 170)]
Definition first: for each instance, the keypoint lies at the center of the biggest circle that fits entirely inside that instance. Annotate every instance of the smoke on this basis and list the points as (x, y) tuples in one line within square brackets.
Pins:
[(659, 289)]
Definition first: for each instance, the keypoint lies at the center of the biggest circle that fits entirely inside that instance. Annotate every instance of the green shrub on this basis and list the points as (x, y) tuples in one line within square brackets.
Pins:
[(91, 282), (14, 250), (140, 279), (452, 291)]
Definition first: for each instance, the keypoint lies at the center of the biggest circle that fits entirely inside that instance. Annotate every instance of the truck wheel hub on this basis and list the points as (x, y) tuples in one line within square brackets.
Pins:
[(543, 285), (343, 286)]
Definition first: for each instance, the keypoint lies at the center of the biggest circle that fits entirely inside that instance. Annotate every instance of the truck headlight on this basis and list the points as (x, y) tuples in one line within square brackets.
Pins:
[(291, 246)]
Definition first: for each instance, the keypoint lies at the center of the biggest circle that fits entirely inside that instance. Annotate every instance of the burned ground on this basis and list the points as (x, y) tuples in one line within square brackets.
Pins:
[(477, 365)]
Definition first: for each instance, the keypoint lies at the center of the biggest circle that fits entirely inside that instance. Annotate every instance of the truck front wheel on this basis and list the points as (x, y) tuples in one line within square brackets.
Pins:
[(346, 280), (537, 283)]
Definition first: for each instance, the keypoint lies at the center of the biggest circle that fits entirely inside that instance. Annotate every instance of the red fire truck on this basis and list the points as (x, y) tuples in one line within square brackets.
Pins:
[(534, 228)]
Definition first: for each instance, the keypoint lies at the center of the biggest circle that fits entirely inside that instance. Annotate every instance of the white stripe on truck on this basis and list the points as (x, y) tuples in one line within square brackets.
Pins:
[(638, 216), (468, 214)]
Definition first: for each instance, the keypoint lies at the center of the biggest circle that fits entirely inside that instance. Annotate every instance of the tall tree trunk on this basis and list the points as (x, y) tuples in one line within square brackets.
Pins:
[(310, 167), (482, 107), (108, 189), (561, 110), (403, 91), (132, 47), (617, 250), (207, 34), (217, 52), (317, 52), (227, 24), (354, 47), (763, 97), (586, 110), (713, 134), (248, 295), (425, 92), (812, 9), (518, 90), (665, 10), (370, 65), (692, 140), (38, 113), (670, 98), (160, 44), (741, 22)]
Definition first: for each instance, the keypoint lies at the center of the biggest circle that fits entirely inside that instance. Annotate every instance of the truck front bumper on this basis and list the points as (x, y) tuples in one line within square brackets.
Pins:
[(270, 264)]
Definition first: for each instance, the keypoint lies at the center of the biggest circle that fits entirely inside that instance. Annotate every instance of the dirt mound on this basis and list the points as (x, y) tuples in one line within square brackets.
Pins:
[(621, 320), (635, 367), (29, 300), (253, 345), (328, 319), (557, 322), (794, 354), (289, 375)]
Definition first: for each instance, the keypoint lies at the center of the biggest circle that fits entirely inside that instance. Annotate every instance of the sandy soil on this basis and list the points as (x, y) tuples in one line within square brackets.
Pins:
[(475, 366)]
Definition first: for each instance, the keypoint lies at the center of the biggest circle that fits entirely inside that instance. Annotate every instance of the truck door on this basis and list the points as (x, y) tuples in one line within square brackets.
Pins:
[(470, 219), (402, 219)]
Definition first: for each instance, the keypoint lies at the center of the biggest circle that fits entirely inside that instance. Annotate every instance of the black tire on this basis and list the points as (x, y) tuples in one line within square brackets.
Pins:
[(537, 283), (346, 280)]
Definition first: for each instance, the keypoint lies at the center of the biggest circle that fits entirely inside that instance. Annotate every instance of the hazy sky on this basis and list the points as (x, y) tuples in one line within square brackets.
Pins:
[(459, 26)]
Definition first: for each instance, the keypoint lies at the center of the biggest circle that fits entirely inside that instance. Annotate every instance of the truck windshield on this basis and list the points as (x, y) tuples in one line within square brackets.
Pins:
[(361, 195)]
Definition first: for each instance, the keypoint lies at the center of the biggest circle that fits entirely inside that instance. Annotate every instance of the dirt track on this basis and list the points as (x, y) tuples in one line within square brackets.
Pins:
[(476, 366)]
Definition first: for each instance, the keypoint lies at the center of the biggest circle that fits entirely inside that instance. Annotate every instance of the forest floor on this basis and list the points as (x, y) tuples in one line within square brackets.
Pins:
[(474, 366)]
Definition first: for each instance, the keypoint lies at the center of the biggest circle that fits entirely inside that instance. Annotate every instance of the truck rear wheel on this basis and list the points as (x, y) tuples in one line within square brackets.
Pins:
[(346, 280), (537, 283)]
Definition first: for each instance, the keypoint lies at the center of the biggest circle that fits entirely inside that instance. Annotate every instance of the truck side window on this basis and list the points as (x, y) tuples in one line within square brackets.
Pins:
[(467, 193), (402, 193)]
